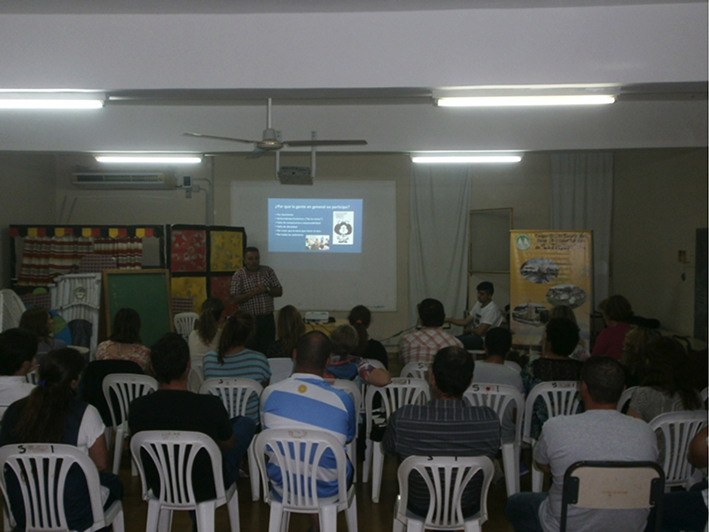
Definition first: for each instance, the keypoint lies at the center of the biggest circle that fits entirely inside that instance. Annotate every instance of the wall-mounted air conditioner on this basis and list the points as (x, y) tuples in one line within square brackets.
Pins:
[(130, 180)]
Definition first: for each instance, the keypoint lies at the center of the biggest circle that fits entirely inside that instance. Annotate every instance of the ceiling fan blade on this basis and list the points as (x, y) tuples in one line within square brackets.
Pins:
[(256, 153), (230, 139), (299, 143)]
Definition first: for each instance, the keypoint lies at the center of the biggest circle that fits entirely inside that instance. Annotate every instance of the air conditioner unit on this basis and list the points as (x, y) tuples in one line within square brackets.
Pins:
[(132, 180)]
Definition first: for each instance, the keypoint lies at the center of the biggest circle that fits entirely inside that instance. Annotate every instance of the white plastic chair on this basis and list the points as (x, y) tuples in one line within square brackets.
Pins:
[(677, 430), (705, 394), (416, 370), (122, 388), (184, 323), (281, 369), (173, 454), (299, 492), (394, 395), (42, 470), (235, 394), (561, 399), (353, 391), (32, 377), (446, 477), (500, 398), (625, 398)]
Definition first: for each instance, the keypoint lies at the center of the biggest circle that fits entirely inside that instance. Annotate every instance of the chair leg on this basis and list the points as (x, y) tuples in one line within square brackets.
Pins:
[(233, 508), (367, 466), (328, 518), (204, 514), (253, 473), (275, 517), (118, 450), (511, 468), (352, 454), (414, 525), (165, 521), (377, 466), (537, 480), (351, 515), (118, 524), (153, 522)]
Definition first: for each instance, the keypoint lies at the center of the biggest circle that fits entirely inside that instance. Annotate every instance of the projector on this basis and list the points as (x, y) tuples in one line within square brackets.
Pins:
[(317, 317), (295, 175)]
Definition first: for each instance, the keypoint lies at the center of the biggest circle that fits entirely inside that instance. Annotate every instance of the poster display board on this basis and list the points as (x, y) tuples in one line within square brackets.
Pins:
[(549, 268)]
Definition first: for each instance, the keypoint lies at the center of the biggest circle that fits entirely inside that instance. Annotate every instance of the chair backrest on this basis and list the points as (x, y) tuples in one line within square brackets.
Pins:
[(417, 370), (625, 398), (173, 453), (42, 470), (120, 389), (91, 384), (184, 323), (560, 397), (234, 393), (446, 477), (397, 393), (498, 397), (350, 388), (281, 369), (635, 485), (287, 450), (677, 430)]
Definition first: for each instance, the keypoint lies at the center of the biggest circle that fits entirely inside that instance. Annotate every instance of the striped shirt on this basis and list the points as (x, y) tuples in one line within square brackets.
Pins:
[(246, 364), (307, 402), (244, 281), (442, 428), (422, 346)]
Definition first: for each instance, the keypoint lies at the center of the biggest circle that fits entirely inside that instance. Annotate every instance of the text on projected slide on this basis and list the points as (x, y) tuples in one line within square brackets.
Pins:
[(315, 225)]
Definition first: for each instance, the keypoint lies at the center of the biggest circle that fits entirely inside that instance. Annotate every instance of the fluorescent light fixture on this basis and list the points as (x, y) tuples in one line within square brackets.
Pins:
[(463, 159), (50, 100), (150, 159), (522, 101)]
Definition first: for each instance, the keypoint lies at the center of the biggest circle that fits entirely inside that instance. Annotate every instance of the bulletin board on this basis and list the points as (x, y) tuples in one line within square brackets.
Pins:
[(147, 292)]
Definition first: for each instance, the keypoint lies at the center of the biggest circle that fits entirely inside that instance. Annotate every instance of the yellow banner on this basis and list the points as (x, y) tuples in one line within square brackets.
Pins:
[(548, 269)]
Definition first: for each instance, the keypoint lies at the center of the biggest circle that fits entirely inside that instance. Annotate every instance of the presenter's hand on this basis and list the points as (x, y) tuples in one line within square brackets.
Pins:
[(259, 289)]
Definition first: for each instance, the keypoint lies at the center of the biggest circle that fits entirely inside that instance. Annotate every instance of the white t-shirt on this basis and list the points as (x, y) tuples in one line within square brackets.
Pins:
[(489, 314), (198, 348), (13, 388), (90, 429)]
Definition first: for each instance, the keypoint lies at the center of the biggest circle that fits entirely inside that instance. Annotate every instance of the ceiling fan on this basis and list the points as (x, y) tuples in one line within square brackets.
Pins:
[(271, 143)]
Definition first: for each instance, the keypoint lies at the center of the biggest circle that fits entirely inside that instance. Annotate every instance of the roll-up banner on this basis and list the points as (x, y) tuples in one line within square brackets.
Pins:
[(549, 268)]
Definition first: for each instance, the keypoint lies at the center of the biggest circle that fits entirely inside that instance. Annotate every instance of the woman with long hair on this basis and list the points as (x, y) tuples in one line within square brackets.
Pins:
[(208, 329), (360, 318), (565, 311), (289, 328), (234, 359), (53, 414), (634, 356), (125, 342), (617, 312), (39, 321)]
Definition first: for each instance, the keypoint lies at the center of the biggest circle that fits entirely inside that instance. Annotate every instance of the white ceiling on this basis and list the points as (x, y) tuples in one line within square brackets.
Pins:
[(347, 69)]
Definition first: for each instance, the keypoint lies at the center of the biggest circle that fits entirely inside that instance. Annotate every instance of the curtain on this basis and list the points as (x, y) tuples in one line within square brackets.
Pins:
[(440, 203), (582, 199), (128, 252)]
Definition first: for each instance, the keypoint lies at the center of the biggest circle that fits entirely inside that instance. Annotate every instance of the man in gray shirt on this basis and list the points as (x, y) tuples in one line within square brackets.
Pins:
[(600, 433)]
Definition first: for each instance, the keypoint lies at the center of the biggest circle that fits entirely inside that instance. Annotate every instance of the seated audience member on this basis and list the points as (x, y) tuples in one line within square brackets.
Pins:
[(483, 316), (634, 355), (234, 359), (342, 365), (174, 407), (289, 328), (53, 414), (444, 427), (208, 329), (422, 345), (305, 401), (494, 371), (39, 321), (124, 342), (17, 351), (561, 336), (617, 312), (564, 311), (360, 318), (686, 511), (600, 433)]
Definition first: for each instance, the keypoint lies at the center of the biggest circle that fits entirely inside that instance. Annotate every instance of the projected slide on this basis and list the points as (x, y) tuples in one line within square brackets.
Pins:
[(315, 225)]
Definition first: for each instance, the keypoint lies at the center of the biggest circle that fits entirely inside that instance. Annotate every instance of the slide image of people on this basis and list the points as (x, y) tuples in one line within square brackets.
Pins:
[(539, 270), (343, 223), (317, 242), (566, 294), (531, 314)]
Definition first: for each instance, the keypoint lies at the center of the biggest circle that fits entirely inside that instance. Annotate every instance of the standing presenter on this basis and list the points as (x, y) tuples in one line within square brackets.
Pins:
[(253, 287)]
